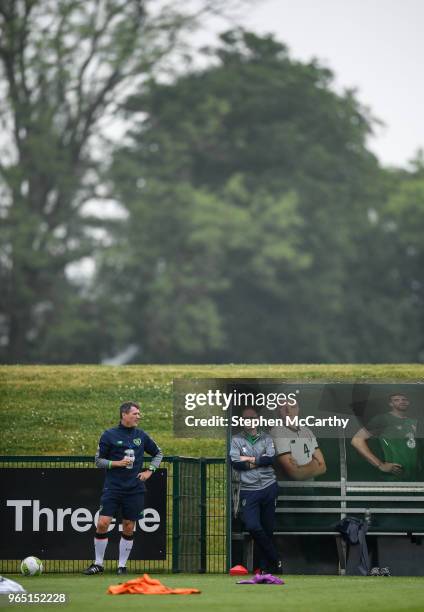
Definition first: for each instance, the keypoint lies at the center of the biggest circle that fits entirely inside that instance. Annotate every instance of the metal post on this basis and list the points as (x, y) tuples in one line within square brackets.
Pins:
[(203, 515), (228, 517), (176, 515), (340, 542)]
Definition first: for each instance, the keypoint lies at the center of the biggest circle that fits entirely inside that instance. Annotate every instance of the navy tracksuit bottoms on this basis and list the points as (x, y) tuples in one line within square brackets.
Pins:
[(257, 511)]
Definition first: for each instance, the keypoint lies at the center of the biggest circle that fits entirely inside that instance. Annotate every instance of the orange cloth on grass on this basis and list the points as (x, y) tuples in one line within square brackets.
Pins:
[(146, 586)]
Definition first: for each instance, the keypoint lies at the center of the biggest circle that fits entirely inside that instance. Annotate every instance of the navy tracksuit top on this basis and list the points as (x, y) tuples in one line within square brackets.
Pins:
[(112, 446)]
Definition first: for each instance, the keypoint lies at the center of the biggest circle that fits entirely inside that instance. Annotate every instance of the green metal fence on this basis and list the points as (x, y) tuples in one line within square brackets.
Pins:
[(196, 521)]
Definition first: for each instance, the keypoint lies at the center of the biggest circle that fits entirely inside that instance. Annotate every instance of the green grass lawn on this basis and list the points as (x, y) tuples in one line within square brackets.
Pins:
[(222, 594), (48, 410)]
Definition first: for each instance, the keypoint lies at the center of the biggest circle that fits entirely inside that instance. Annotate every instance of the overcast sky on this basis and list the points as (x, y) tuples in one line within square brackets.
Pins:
[(375, 46)]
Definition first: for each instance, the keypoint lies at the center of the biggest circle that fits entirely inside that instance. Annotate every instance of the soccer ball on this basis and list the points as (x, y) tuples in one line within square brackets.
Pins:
[(31, 566)]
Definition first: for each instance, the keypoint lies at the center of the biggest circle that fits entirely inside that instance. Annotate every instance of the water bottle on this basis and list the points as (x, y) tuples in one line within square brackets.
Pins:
[(130, 453)]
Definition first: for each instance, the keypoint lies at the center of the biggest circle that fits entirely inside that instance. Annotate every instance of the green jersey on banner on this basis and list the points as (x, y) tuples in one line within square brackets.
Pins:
[(397, 437)]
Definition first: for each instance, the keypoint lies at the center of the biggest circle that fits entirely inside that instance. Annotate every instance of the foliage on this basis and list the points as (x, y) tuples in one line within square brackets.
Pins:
[(290, 265), (256, 225), (66, 67)]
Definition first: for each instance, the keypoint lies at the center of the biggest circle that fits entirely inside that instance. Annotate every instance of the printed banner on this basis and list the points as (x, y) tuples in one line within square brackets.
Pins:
[(51, 513)]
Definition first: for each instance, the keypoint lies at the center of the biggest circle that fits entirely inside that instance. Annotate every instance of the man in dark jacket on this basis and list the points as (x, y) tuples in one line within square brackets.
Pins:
[(120, 453)]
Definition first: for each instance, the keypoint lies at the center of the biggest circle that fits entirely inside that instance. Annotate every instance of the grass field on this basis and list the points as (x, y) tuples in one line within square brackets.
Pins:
[(222, 594), (48, 410)]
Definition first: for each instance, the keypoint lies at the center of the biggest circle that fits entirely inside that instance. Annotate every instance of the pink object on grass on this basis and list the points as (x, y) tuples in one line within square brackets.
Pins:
[(262, 579)]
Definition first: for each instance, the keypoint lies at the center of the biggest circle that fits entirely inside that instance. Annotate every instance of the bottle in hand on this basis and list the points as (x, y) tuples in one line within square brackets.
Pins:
[(130, 453)]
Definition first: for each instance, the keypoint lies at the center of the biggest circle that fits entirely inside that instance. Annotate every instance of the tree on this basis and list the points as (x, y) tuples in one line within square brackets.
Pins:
[(402, 221), (66, 66), (269, 139), (168, 262)]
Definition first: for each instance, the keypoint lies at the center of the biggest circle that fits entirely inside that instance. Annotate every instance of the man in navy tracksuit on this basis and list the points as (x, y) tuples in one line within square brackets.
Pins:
[(252, 455), (120, 453)]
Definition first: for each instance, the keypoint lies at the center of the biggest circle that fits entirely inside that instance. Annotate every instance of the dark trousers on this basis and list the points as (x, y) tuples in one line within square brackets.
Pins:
[(257, 511)]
